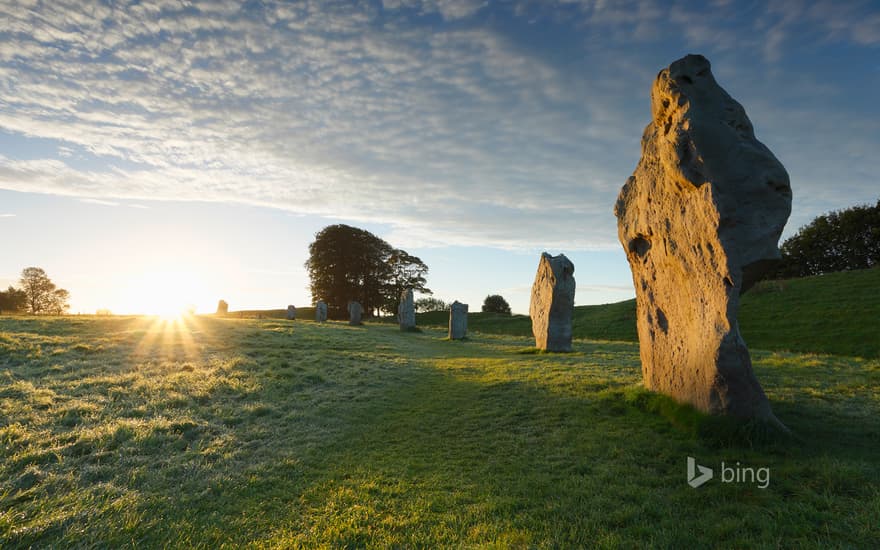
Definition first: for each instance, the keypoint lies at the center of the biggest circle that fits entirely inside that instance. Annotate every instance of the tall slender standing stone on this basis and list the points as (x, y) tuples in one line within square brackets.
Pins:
[(458, 313), (700, 219), (320, 312), (291, 313), (552, 303), (355, 310), (406, 310)]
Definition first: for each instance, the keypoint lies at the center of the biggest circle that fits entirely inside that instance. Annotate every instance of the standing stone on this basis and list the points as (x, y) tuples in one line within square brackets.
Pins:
[(406, 311), (552, 303), (355, 310), (700, 219), (291, 313), (222, 307), (321, 312), (458, 313)]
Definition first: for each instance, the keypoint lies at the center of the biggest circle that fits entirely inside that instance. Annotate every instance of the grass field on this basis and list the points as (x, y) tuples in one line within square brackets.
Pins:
[(837, 313), (130, 432)]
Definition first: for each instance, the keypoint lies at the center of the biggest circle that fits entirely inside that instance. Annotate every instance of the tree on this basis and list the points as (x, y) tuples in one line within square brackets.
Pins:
[(495, 303), (347, 263), (424, 305), (41, 294), (838, 241), (12, 300)]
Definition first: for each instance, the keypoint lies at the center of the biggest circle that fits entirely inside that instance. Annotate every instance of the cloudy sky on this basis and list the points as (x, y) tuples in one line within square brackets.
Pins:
[(140, 141)]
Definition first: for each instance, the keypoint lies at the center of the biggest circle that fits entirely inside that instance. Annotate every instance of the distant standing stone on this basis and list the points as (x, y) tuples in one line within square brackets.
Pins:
[(458, 313), (553, 303), (291, 313), (355, 310), (222, 307), (320, 312), (406, 311)]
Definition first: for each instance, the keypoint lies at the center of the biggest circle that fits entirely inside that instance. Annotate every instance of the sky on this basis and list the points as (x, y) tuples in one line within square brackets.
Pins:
[(201, 145)]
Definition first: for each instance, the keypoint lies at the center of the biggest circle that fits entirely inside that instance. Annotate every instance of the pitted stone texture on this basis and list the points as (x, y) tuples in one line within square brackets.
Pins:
[(291, 313), (355, 310), (552, 303), (406, 310), (320, 312), (700, 219), (458, 314)]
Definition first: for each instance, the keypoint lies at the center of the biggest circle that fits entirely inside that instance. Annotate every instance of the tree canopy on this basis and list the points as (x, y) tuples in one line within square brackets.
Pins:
[(838, 241), (495, 303), (347, 263), (42, 296), (12, 300), (429, 303)]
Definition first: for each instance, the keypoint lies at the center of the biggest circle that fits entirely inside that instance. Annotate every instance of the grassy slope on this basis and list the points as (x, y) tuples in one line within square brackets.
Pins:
[(118, 432), (838, 313)]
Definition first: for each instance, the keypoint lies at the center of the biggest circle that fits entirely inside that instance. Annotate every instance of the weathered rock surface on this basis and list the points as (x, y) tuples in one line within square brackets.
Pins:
[(355, 310), (700, 219), (552, 303), (320, 312), (458, 313), (291, 313), (406, 310)]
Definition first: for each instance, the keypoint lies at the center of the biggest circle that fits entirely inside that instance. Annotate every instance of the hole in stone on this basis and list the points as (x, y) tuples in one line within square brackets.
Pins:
[(686, 78), (662, 321), (779, 187), (639, 246)]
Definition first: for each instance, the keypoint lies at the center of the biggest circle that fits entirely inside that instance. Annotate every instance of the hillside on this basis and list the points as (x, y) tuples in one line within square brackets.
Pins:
[(838, 313)]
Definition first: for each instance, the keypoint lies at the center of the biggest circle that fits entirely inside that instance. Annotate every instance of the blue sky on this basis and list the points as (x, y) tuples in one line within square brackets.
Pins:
[(217, 137)]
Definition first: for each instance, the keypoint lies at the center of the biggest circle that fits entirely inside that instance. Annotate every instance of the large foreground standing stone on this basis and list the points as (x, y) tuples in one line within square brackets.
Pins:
[(320, 312), (458, 313), (700, 219), (406, 311), (355, 310), (552, 303), (291, 313)]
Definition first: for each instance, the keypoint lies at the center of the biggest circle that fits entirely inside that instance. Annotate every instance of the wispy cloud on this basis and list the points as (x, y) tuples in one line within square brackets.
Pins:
[(429, 115), (100, 202), (7, 215)]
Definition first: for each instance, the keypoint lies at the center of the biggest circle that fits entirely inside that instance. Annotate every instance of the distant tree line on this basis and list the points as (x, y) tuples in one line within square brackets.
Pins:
[(351, 264), (841, 240), (38, 295)]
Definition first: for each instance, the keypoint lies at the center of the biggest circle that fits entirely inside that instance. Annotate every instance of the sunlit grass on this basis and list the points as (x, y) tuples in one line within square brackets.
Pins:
[(206, 432)]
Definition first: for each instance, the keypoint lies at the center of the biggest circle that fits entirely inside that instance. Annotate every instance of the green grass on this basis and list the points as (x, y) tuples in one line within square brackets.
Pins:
[(838, 313), (120, 432)]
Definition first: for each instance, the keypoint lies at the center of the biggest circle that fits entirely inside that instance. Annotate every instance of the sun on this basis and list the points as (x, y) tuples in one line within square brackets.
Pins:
[(169, 294)]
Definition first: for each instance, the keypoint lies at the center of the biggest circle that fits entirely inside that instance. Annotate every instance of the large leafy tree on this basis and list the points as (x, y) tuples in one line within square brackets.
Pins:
[(347, 263), (12, 300), (838, 241), (42, 295)]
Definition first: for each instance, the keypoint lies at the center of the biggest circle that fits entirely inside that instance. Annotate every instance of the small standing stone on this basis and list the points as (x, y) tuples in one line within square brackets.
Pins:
[(355, 310), (553, 303), (320, 312), (222, 307), (458, 313), (291, 313), (406, 311)]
